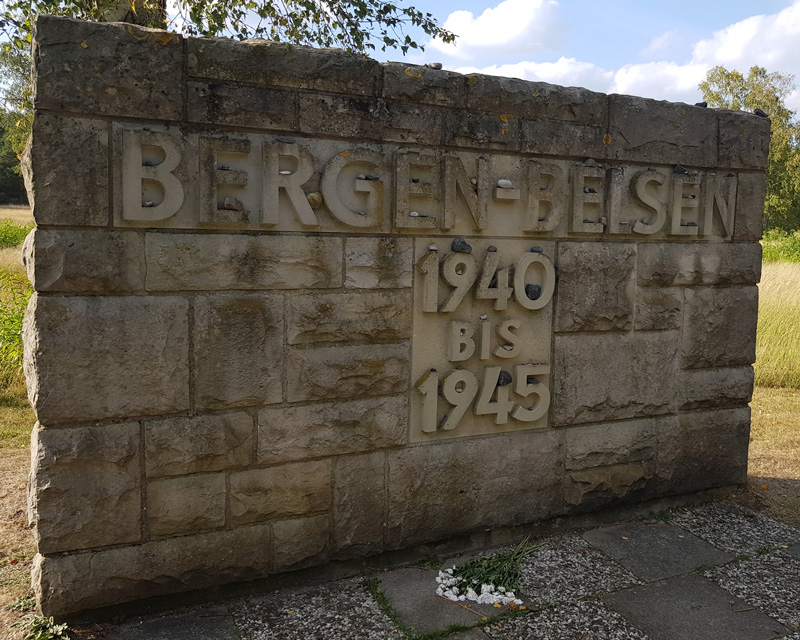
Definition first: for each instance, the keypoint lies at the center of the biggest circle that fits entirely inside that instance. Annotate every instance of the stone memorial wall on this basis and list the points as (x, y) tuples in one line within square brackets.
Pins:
[(295, 306)]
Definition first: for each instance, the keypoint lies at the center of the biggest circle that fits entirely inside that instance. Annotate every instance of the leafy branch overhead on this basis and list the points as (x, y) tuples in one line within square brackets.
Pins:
[(355, 25)]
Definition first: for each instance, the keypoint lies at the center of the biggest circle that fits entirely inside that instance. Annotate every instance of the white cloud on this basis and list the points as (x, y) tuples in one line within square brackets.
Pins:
[(771, 41), (565, 71), (658, 45), (661, 80), (513, 27)]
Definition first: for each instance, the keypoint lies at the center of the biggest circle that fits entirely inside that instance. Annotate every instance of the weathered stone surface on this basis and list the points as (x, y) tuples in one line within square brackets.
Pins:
[(554, 137), (647, 130), (95, 67), (658, 308), (241, 106), (743, 140), (719, 327), (592, 488), (121, 356), (704, 449), (185, 505), (85, 490), (349, 317), (84, 261), (296, 489), (359, 501), (60, 190), (527, 99), (410, 123), (750, 192), (271, 64), (423, 85), (302, 542), (237, 350), (211, 442), (482, 130), (337, 115), (609, 462), (611, 377), (684, 264), (437, 491), (609, 444), (213, 262), (596, 286), (314, 431), (327, 373), (378, 263), (73, 583), (706, 388)]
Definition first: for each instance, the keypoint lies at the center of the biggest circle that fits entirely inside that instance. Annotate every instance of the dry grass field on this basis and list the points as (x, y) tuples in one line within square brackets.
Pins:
[(774, 470)]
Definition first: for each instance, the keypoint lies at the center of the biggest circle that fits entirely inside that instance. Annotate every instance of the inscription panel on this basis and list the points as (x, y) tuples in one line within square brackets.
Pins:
[(171, 178), (482, 328)]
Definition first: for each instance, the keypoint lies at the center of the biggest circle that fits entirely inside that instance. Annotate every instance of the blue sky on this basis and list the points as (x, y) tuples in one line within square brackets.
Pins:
[(654, 49)]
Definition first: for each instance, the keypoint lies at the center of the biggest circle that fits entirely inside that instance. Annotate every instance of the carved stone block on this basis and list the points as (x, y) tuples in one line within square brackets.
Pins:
[(85, 490), (655, 131), (122, 356), (107, 69), (378, 263), (328, 373), (61, 189), (210, 442), (359, 501), (72, 583), (611, 377), (678, 264), (212, 262), (462, 485), (83, 261), (302, 542), (349, 317), (237, 350), (719, 327), (284, 491), (596, 286), (185, 505), (319, 430)]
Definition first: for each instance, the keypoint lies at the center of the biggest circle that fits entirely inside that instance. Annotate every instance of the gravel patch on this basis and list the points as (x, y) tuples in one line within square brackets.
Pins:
[(586, 620), (340, 610), (737, 530), (770, 582), (568, 569)]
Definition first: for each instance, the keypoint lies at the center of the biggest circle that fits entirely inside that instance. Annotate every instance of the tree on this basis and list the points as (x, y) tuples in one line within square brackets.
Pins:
[(766, 91), (355, 25)]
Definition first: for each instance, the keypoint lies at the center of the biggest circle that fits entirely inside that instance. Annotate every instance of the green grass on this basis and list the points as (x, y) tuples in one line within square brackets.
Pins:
[(781, 246), (778, 339), (15, 290), (12, 234)]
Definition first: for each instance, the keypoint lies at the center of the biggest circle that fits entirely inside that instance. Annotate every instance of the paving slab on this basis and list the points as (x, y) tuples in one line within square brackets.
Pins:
[(342, 610), (692, 606), (654, 552), (568, 569), (585, 620), (736, 529), (412, 593), (770, 582), (213, 623)]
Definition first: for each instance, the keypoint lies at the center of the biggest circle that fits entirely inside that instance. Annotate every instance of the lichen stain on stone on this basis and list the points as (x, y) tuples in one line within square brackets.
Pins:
[(413, 73), (505, 117), (607, 139), (473, 80)]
